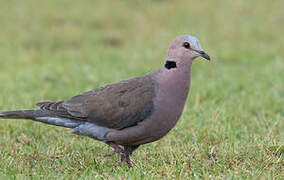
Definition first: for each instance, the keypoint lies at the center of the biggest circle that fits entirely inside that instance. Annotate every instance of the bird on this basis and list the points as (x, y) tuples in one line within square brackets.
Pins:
[(127, 114)]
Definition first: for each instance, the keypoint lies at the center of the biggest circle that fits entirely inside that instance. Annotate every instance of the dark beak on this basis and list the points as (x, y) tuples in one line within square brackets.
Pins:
[(204, 55)]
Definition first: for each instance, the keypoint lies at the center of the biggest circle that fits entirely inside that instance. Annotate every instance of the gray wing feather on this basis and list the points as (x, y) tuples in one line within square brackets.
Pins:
[(115, 106)]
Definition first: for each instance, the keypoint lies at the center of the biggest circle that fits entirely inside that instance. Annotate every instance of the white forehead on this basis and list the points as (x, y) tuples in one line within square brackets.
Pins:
[(194, 42)]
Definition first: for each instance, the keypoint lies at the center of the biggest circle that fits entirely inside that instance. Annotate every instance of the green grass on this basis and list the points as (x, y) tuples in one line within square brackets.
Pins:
[(233, 123)]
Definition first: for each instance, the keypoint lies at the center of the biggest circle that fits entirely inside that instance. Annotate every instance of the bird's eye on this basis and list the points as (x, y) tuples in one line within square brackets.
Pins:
[(186, 45)]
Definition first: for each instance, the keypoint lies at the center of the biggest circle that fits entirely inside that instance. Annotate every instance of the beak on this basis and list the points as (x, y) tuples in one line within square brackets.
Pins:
[(204, 55)]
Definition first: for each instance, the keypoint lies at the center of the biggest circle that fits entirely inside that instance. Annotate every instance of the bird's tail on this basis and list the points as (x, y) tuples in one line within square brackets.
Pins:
[(41, 116), (20, 114)]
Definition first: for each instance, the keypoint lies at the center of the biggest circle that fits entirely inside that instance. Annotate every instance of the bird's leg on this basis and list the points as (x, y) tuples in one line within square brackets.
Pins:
[(116, 149), (123, 153), (128, 150)]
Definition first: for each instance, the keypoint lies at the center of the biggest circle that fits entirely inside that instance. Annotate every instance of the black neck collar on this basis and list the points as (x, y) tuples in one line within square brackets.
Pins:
[(170, 64)]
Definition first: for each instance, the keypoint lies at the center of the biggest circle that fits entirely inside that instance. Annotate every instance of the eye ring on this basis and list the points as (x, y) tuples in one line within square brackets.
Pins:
[(186, 45)]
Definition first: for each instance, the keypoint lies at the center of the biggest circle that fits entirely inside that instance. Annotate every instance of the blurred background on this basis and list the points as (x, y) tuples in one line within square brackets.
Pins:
[(232, 125)]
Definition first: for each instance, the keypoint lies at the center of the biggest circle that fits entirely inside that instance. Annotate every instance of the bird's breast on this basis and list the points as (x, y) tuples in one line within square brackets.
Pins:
[(168, 107)]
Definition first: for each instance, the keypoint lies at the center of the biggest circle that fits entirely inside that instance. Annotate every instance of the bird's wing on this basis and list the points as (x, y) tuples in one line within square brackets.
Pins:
[(115, 106)]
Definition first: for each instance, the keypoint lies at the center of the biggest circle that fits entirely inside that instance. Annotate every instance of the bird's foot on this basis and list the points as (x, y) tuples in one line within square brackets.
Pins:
[(116, 149), (110, 154), (123, 155), (126, 159)]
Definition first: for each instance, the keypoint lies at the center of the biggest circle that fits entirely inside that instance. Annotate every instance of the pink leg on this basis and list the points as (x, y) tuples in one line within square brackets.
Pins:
[(123, 156)]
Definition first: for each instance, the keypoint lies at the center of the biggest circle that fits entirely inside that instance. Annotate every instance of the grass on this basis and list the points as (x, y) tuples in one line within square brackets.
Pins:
[(233, 123)]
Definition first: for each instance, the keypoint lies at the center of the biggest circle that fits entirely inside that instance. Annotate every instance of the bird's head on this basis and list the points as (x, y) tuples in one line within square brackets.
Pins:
[(184, 49)]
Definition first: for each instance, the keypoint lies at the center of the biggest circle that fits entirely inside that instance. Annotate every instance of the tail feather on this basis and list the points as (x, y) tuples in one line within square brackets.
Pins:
[(41, 116), (20, 114)]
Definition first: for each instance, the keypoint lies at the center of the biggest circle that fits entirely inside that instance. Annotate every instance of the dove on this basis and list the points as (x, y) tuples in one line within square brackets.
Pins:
[(129, 113)]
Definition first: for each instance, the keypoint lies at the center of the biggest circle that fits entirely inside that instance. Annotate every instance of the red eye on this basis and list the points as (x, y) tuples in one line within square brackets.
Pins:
[(186, 45)]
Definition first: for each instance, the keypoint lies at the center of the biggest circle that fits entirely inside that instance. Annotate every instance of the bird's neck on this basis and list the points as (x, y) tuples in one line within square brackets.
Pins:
[(175, 81)]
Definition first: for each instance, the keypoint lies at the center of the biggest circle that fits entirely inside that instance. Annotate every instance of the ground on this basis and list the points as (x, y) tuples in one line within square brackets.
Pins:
[(233, 122)]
